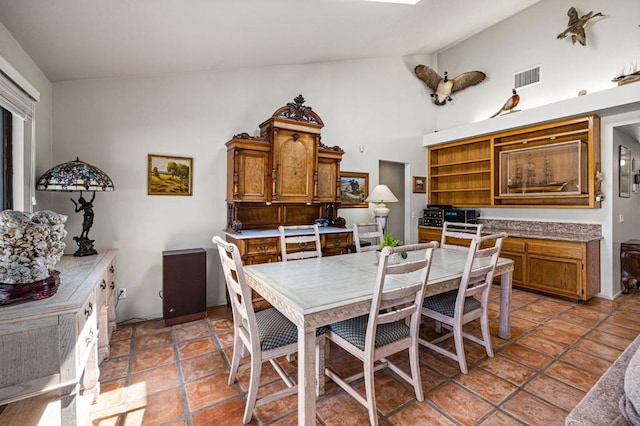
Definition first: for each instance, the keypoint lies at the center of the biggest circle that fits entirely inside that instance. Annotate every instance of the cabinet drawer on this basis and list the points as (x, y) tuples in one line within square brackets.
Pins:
[(262, 245), (87, 332), (342, 239), (555, 249), (427, 235), (103, 290), (514, 245)]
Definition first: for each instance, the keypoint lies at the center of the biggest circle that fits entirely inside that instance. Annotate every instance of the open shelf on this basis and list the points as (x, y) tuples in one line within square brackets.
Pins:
[(489, 170)]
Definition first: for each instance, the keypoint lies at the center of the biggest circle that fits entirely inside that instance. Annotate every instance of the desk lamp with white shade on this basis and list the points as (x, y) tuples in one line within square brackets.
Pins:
[(380, 195)]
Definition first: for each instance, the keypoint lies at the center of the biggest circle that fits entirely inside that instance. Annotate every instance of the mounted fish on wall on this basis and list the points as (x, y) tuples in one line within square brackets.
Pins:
[(575, 27), (443, 87)]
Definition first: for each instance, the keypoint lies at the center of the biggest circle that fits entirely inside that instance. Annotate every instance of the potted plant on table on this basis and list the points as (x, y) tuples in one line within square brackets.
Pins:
[(388, 240)]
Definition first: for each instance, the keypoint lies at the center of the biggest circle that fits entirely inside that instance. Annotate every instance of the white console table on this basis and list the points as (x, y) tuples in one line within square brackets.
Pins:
[(52, 347)]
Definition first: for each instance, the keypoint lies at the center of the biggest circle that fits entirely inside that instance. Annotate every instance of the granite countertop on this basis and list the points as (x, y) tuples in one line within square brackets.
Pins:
[(572, 232), (265, 233)]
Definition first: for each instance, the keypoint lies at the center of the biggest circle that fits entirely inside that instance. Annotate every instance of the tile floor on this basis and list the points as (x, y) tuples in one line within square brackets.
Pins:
[(558, 350)]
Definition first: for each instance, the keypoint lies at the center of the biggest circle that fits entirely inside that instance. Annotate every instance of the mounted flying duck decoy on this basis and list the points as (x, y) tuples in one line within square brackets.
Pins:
[(576, 26), (443, 87)]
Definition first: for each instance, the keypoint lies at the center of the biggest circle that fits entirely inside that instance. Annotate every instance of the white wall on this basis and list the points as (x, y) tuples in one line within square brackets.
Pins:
[(529, 39), (115, 123)]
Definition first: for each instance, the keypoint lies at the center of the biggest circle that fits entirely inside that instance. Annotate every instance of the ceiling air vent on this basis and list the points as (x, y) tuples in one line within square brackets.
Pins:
[(526, 77)]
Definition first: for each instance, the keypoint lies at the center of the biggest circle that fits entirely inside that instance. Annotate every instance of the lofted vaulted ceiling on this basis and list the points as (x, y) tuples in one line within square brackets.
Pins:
[(80, 39)]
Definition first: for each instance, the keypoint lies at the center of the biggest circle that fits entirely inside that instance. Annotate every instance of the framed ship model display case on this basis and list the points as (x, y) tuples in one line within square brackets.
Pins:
[(548, 170)]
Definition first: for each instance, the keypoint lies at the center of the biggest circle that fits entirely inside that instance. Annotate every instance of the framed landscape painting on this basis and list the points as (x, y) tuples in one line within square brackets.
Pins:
[(354, 189), (167, 175)]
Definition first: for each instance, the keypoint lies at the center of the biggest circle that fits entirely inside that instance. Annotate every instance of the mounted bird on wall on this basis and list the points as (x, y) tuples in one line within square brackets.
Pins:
[(443, 87), (576, 26), (511, 103)]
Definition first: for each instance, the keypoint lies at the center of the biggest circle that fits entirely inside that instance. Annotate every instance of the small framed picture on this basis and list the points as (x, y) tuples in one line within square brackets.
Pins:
[(354, 189), (169, 175), (419, 185)]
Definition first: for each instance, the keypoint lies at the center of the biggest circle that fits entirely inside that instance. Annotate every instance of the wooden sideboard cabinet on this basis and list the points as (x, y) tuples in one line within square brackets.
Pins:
[(51, 348), (262, 249), (569, 269)]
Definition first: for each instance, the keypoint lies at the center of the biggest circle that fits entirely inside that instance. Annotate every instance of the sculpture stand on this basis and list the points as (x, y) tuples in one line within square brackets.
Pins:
[(85, 247), (11, 293)]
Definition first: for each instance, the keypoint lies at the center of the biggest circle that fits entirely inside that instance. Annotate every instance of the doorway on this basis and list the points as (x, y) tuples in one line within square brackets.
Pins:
[(392, 175)]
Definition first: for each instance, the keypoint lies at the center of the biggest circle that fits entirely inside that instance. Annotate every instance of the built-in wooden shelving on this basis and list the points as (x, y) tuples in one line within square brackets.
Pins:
[(472, 172)]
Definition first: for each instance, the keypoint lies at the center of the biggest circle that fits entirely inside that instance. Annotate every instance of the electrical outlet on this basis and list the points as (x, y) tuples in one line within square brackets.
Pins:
[(122, 293)]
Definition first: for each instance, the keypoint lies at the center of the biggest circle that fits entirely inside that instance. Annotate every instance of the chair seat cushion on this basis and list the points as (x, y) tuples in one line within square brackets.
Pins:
[(354, 330), (445, 303), (275, 330)]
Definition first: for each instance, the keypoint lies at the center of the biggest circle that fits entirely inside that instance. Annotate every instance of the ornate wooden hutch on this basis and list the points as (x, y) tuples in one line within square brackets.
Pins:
[(285, 176)]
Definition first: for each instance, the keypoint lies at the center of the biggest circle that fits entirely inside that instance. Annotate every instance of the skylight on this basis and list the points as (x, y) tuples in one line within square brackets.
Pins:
[(395, 1)]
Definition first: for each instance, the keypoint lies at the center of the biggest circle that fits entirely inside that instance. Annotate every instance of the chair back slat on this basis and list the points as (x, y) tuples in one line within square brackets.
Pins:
[(307, 245), (403, 302), (460, 231), (371, 232), (397, 315), (479, 268)]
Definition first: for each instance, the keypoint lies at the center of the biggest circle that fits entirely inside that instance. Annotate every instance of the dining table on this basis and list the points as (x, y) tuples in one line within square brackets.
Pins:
[(320, 291)]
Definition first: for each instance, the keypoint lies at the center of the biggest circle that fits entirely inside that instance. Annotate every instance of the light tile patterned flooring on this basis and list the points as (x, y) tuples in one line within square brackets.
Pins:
[(558, 350)]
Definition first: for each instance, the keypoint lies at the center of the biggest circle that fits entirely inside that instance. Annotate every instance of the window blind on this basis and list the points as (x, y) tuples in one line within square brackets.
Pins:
[(16, 100)]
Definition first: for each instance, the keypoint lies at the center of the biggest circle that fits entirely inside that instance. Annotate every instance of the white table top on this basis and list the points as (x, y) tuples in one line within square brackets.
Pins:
[(313, 285)]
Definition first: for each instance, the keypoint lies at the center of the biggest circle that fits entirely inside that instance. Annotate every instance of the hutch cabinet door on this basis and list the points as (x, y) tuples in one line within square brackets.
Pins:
[(294, 166), (253, 169), (328, 175)]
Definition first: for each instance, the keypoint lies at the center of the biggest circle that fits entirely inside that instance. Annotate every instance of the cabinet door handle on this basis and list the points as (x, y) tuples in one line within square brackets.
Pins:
[(103, 285), (89, 337), (112, 269), (88, 311), (112, 286)]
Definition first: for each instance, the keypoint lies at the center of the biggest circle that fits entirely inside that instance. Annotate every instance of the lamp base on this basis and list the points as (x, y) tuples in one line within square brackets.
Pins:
[(381, 212), (85, 247)]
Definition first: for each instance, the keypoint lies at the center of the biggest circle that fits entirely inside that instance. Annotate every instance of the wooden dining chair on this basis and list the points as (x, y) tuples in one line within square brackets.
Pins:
[(370, 232), (470, 301), (265, 335), (392, 324), (299, 246), (459, 231)]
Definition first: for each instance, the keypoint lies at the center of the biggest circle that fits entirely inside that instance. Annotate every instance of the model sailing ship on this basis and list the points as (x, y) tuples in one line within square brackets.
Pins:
[(529, 183)]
